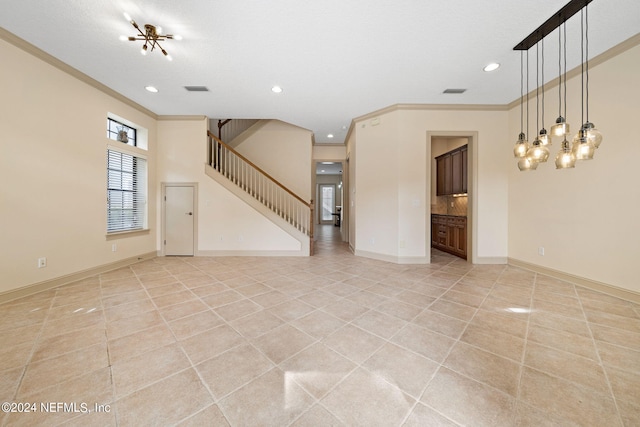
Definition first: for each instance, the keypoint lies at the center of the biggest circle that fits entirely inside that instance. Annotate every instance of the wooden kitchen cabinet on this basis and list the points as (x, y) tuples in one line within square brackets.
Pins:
[(452, 173), (438, 231), (465, 168), (449, 234), (444, 181)]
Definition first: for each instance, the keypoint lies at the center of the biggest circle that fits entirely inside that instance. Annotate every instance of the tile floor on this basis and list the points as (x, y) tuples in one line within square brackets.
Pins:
[(329, 340)]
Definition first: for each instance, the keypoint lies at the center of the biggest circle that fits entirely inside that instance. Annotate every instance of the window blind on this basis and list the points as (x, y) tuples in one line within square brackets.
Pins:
[(126, 191)]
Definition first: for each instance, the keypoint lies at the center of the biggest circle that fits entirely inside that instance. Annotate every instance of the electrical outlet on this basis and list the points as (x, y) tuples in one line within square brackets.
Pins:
[(402, 244), (372, 240), (42, 262), (541, 251), (114, 247)]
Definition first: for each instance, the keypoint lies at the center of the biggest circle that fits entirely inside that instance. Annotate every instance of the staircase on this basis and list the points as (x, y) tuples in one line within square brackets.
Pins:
[(260, 190)]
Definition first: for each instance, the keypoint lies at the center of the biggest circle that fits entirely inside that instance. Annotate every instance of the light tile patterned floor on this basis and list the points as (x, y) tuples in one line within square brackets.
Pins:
[(329, 340)]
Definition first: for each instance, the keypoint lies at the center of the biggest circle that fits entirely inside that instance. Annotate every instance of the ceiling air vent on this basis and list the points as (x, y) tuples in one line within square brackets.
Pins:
[(197, 88), (454, 91)]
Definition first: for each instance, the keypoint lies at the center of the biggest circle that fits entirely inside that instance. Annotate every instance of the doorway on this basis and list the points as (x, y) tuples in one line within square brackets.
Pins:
[(327, 193), (455, 205), (179, 219)]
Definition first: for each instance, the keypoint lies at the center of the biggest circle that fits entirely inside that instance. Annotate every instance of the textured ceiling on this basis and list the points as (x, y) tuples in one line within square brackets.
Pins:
[(335, 59)]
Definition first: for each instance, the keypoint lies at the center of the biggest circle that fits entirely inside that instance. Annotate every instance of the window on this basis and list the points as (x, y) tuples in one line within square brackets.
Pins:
[(126, 191), (120, 132), (328, 201)]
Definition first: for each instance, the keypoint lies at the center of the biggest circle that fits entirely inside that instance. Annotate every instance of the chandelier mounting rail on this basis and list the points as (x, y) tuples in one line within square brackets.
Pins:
[(570, 9)]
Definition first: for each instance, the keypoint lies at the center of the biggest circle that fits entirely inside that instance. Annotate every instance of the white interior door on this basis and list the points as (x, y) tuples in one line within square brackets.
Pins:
[(179, 220)]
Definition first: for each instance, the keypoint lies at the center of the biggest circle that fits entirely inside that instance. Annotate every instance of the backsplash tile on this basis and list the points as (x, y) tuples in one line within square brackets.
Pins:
[(444, 206)]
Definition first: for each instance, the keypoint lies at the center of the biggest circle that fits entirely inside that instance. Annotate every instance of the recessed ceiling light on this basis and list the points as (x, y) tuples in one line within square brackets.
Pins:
[(327, 163), (321, 170), (151, 89), (276, 89), (492, 67), (330, 135)]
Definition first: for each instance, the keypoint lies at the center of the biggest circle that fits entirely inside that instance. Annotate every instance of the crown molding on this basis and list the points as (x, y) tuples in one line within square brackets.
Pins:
[(55, 62)]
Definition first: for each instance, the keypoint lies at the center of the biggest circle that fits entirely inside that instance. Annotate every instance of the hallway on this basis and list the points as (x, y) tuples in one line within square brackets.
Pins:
[(328, 241)]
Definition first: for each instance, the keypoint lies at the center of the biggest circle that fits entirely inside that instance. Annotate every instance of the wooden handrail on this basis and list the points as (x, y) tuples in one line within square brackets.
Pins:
[(275, 181)]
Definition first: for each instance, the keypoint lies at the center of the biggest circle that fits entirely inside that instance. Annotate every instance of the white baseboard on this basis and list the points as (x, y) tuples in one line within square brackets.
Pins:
[(73, 277), (595, 285), (491, 260), (247, 253), (391, 258), (413, 260)]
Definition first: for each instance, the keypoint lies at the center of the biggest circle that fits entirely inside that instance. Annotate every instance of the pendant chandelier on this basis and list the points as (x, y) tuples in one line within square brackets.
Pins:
[(566, 158), (539, 153), (522, 145), (588, 138), (561, 128)]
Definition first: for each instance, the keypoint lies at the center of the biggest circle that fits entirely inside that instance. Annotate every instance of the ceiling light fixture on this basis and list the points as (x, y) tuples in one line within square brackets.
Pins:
[(151, 36), (522, 145), (588, 137), (276, 89), (491, 67), (561, 128), (330, 135), (538, 153), (151, 89), (566, 158), (543, 136)]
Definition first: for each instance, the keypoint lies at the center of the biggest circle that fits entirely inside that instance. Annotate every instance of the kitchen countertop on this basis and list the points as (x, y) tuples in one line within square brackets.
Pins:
[(457, 216)]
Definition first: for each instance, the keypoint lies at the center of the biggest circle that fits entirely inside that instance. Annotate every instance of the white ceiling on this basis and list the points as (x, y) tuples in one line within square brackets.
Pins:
[(335, 59)]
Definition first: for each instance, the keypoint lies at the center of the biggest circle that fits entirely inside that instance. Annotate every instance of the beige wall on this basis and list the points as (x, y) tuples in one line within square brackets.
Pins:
[(350, 190), (283, 151), (53, 173), (393, 180), (376, 186), (585, 218), (329, 152), (226, 224)]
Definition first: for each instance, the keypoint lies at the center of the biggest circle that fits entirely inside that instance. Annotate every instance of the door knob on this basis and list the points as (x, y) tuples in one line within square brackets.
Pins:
[(189, 213)]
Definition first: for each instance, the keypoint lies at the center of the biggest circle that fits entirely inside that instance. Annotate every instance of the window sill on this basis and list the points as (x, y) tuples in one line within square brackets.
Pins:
[(128, 233)]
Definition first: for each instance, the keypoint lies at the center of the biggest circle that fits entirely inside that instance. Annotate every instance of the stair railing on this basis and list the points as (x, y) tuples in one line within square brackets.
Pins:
[(261, 186)]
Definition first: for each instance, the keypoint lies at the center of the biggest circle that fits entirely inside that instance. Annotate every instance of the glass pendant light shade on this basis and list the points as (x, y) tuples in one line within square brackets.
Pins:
[(561, 128), (544, 137), (592, 134), (566, 158), (538, 153), (524, 164), (583, 148), (522, 146)]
